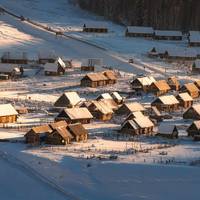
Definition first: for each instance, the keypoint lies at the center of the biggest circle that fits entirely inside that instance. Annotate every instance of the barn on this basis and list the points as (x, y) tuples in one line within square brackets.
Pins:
[(167, 103), (159, 88), (142, 83), (173, 83), (139, 31), (191, 89), (8, 114), (194, 38), (37, 135), (14, 58), (95, 28), (168, 131), (100, 110), (94, 80), (129, 127), (185, 100), (167, 35), (194, 128), (75, 115), (193, 112), (78, 131), (68, 99)]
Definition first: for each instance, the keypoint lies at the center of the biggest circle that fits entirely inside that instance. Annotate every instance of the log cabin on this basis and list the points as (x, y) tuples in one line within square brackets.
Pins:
[(111, 76), (173, 83), (191, 89), (8, 114), (159, 88), (185, 100), (129, 127)]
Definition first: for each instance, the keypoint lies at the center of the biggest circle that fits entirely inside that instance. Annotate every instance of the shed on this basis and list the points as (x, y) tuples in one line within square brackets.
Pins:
[(167, 130), (173, 83), (100, 110), (130, 127), (193, 112), (194, 128), (78, 132), (68, 99), (38, 134), (94, 80), (139, 31), (128, 108), (167, 35), (96, 27), (191, 89), (185, 100), (194, 38), (75, 115), (159, 87), (167, 103), (8, 114), (142, 83)]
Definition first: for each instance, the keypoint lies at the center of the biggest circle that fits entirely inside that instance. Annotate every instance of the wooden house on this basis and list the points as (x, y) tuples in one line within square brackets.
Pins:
[(145, 125), (142, 83), (111, 104), (37, 135), (12, 70), (8, 114), (167, 35), (78, 131), (194, 38), (14, 58), (159, 88), (168, 131), (154, 113), (173, 83), (167, 103), (191, 89), (59, 136), (193, 112), (194, 128), (129, 127), (117, 97), (95, 28), (128, 108), (111, 77), (100, 110), (185, 100), (75, 115), (94, 80), (59, 124), (46, 57), (196, 66), (68, 99), (139, 31)]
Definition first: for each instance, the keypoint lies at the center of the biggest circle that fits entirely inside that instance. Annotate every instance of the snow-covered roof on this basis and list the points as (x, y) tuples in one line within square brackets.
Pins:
[(168, 33), (97, 77), (143, 122), (194, 36), (7, 68), (102, 107), (168, 100), (196, 107), (7, 110), (61, 63), (191, 87), (78, 113), (110, 103), (162, 85), (104, 96), (73, 97), (15, 55), (147, 80), (117, 96), (51, 67), (135, 106), (136, 114), (42, 129), (140, 29), (96, 25), (185, 96), (165, 128)]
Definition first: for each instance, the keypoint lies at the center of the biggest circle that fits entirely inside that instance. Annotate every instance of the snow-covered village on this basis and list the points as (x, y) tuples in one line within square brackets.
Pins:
[(92, 108)]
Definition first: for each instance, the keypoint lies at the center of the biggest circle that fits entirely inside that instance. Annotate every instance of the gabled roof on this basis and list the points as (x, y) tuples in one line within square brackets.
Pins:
[(96, 77), (64, 133), (110, 75), (61, 62), (140, 29), (7, 110), (168, 33), (102, 107), (143, 122), (117, 96), (191, 87), (196, 107), (185, 96), (162, 85), (146, 81), (58, 124), (104, 96), (77, 129), (165, 128), (131, 123), (135, 106), (8, 68), (42, 129), (168, 100), (78, 113), (137, 114), (110, 103), (173, 81)]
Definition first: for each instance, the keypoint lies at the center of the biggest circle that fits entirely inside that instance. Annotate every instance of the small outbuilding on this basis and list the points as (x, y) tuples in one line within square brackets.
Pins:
[(173, 83), (191, 89), (68, 99), (12, 70), (185, 100), (75, 115), (167, 130)]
